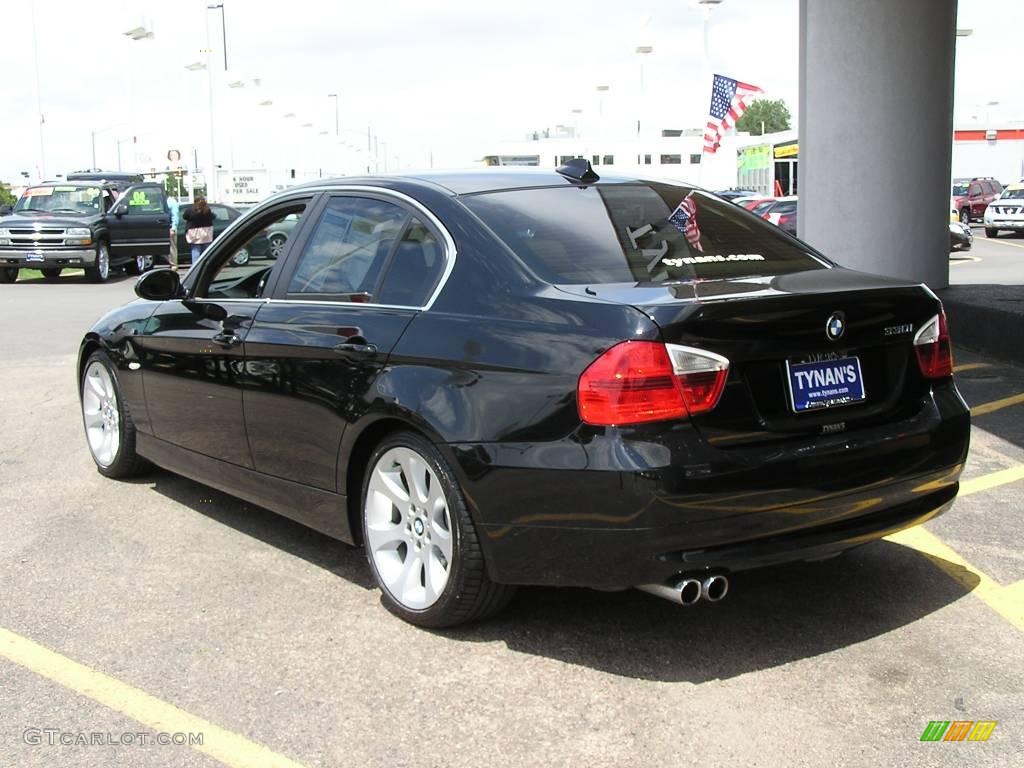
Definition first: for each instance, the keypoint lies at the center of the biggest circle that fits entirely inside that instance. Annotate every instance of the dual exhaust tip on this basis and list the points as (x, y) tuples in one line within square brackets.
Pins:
[(689, 590)]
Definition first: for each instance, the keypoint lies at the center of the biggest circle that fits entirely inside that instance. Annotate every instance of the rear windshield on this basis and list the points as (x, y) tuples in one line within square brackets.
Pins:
[(644, 233)]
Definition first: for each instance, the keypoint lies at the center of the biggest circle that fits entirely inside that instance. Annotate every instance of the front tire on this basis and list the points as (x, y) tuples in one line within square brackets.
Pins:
[(989, 232), (420, 541), (100, 271), (277, 245), (965, 216), (109, 429), (141, 265), (8, 274)]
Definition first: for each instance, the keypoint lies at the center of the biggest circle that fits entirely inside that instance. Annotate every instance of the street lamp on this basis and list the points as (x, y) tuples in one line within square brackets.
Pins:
[(601, 89), (336, 123), (223, 30), (139, 33), (642, 50)]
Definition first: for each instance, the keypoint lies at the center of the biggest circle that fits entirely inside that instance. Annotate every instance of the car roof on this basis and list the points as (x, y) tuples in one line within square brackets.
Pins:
[(69, 183), (472, 181)]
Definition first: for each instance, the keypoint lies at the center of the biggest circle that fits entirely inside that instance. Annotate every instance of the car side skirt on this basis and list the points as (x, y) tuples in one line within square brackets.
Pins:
[(321, 510)]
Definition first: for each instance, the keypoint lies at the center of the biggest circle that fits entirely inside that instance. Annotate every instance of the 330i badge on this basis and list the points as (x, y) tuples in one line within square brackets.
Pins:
[(536, 377)]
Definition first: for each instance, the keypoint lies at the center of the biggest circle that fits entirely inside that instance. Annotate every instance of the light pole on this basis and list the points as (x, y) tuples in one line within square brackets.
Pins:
[(334, 96), (223, 30), (642, 50)]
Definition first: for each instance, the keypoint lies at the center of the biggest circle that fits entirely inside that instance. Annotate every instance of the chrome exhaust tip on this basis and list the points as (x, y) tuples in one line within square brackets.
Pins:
[(685, 592), (714, 588)]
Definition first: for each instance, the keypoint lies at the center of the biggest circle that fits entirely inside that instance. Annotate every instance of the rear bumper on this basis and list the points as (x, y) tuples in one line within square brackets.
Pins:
[(622, 509), (64, 257)]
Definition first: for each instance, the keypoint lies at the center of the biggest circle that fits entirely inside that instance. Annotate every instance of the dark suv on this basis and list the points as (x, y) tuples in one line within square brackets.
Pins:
[(972, 196), (85, 224)]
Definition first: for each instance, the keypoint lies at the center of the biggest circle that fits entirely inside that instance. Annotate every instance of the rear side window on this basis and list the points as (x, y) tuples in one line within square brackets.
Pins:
[(988, 188), (347, 251), (636, 233), (415, 268)]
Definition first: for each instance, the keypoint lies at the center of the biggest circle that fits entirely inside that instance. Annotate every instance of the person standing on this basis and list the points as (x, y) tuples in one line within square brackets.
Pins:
[(175, 209), (199, 233)]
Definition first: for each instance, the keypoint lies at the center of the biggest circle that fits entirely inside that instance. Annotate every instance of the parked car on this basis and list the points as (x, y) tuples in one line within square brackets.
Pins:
[(782, 213), (960, 237), (732, 194), (972, 196), (760, 206), (492, 378), (1006, 212), (116, 179), (84, 224), (225, 215)]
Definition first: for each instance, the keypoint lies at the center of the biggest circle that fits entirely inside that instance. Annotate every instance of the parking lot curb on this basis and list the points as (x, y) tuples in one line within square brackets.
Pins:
[(987, 319)]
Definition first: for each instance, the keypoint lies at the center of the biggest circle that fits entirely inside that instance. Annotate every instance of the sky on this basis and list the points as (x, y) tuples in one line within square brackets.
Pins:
[(437, 83)]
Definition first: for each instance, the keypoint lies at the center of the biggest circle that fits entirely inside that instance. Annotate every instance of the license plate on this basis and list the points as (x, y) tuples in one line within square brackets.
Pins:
[(35, 256), (825, 383)]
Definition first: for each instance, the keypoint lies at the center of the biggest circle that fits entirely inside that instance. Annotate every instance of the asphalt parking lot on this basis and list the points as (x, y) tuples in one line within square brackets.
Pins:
[(161, 606)]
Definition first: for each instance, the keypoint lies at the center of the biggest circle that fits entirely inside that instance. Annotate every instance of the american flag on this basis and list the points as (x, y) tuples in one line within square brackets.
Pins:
[(727, 105), (684, 218)]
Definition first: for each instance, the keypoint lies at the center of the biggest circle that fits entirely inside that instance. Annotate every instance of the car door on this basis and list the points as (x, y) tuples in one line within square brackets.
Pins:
[(318, 346), (193, 348), (138, 223)]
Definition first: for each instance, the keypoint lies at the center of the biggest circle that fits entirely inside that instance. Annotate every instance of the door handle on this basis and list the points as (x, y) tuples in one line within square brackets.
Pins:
[(348, 346), (227, 339)]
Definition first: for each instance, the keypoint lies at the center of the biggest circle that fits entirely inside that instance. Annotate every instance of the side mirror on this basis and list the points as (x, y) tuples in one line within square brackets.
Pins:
[(159, 285), (120, 209)]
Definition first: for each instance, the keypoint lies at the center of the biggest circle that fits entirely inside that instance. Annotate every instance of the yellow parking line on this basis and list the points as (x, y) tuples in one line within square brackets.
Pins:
[(995, 405), (1007, 601), (991, 480), (1003, 242), (1002, 600), (969, 367), (229, 748)]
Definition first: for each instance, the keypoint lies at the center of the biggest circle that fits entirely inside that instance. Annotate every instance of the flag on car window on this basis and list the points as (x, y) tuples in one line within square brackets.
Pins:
[(728, 103), (684, 218)]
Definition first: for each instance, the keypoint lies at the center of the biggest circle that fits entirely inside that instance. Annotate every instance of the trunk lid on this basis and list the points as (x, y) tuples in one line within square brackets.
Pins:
[(766, 326)]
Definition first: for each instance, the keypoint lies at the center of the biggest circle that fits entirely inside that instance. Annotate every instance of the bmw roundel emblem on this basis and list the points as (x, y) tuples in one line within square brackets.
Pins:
[(836, 326)]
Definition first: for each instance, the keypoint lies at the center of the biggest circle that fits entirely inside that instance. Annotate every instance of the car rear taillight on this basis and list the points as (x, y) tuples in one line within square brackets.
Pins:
[(934, 351), (641, 381), (785, 218)]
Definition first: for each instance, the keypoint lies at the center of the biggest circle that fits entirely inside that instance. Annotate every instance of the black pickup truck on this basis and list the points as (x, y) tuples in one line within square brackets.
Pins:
[(95, 225)]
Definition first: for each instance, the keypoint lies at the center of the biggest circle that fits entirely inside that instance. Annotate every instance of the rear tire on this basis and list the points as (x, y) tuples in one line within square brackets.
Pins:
[(420, 541), (51, 274), (989, 232), (100, 271), (109, 429), (8, 274), (140, 265)]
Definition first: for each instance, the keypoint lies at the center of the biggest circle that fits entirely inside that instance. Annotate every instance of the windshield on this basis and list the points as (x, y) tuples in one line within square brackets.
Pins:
[(71, 198), (1012, 194), (639, 233), (960, 188)]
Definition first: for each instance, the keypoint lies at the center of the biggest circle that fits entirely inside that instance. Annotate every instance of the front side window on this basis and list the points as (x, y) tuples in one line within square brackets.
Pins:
[(347, 251), (636, 233), (245, 265), (143, 201)]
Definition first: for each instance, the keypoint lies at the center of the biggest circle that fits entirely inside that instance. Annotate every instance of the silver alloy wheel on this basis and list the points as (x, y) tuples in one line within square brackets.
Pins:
[(277, 245), (241, 257), (103, 261), (408, 528), (101, 414), (965, 216)]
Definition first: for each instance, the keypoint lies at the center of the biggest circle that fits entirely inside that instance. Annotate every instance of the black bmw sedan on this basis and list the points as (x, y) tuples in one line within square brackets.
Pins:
[(540, 377)]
